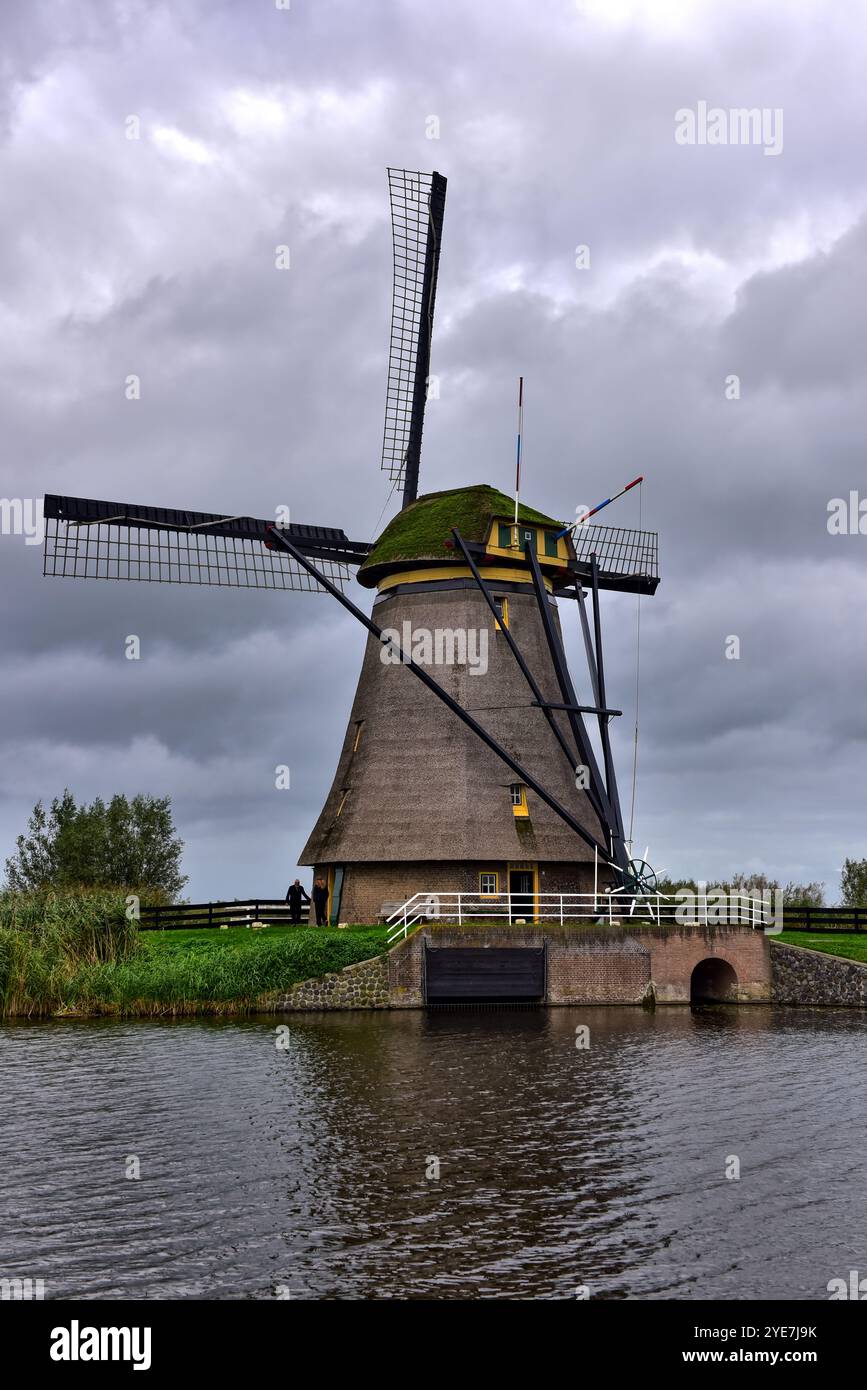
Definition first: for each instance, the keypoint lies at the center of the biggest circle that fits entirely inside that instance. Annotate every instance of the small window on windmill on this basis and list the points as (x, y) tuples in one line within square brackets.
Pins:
[(343, 795), (489, 885), (518, 794), (359, 725), (501, 603), (528, 537), (552, 547)]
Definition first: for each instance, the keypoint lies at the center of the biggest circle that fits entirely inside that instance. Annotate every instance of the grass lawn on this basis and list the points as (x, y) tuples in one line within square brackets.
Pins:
[(214, 938), (180, 971), (76, 952), (850, 944), (172, 972)]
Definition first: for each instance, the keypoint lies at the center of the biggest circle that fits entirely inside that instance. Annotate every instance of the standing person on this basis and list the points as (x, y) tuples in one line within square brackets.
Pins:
[(296, 898), (320, 901)]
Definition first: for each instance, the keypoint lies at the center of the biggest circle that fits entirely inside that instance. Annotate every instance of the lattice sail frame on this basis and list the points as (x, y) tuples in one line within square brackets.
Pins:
[(224, 552), (416, 219), (622, 554)]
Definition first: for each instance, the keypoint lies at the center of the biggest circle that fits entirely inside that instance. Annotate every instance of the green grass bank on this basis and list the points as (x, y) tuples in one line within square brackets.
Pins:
[(852, 945), (76, 954)]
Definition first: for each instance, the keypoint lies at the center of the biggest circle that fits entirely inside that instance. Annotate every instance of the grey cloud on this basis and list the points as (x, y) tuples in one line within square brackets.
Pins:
[(261, 388)]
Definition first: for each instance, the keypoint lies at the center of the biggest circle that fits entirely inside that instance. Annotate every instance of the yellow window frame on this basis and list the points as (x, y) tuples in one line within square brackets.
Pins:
[(519, 808), (504, 602), (489, 892)]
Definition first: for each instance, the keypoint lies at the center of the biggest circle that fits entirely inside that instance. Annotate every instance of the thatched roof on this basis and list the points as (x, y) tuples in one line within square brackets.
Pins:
[(421, 531)]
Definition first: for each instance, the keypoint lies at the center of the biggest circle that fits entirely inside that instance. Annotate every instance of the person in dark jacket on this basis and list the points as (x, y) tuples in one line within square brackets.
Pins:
[(296, 898), (320, 901)]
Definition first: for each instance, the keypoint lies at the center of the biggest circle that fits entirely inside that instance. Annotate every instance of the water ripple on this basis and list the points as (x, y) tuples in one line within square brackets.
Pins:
[(306, 1168)]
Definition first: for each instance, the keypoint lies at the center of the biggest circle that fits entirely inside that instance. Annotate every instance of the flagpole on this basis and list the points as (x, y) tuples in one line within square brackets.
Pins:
[(606, 503), (518, 451)]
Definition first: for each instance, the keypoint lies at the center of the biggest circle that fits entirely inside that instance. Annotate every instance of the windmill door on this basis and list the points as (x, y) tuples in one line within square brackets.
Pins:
[(521, 887)]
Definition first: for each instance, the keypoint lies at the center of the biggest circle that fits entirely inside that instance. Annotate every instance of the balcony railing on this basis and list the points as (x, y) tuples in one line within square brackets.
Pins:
[(564, 909)]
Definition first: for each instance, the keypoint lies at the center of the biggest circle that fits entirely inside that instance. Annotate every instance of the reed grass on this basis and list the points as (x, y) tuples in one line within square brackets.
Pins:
[(45, 937), (77, 953)]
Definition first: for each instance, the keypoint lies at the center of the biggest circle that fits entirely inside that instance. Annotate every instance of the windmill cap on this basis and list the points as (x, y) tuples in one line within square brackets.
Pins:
[(421, 534)]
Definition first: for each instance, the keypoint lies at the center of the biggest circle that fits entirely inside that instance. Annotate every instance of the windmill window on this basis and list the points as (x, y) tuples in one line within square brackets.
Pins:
[(343, 795), (359, 725), (489, 885), (518, 794), (501, 603), (528, 537), (552, 546)]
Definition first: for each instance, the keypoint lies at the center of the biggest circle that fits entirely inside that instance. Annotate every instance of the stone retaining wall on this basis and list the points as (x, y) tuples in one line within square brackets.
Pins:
[(802, 976), (360, 986)]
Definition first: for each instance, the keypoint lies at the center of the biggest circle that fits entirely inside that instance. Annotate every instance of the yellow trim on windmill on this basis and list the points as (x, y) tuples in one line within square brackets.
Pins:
[(424, 576), (545, 540)]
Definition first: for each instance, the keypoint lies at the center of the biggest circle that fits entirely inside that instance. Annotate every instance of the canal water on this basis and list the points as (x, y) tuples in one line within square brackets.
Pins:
[(306, 1170)]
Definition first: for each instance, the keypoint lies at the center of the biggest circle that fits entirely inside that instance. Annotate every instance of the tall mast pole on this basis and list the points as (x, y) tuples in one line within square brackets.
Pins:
[(518, 450)]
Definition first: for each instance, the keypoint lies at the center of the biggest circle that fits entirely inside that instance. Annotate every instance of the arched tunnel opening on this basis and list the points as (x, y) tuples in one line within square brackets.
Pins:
[(713, 981)]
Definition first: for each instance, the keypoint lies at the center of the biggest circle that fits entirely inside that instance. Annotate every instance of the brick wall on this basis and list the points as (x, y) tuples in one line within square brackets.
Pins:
[(608, 964), (367, 886), (676, 951), (599, 965), (597, 973)]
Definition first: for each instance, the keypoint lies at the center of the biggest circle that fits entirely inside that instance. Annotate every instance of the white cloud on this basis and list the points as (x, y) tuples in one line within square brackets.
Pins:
[(185, 147)]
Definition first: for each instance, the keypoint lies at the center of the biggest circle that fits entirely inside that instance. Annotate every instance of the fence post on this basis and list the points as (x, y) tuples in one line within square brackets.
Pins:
[(460, 918), (210, 914), (561, 909)]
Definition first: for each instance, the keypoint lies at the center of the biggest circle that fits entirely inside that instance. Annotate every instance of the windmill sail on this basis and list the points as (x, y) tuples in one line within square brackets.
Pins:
[(417, 209), (89, 539)]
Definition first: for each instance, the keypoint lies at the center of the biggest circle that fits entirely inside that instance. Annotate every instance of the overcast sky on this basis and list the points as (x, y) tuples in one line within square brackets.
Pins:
[(556, 125)]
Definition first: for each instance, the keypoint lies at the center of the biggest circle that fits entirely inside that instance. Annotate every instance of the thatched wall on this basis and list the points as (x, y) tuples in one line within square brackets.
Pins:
[(420, 786)]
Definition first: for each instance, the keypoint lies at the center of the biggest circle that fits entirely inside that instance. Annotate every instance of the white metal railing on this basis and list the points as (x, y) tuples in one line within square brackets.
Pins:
[(616, 906)]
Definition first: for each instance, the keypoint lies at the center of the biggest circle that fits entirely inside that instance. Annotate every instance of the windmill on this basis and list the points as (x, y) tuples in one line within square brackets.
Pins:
[(456, 773)]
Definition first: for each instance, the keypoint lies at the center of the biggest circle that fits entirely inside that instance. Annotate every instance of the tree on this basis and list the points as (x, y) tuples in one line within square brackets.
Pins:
[(35, 862), (853, 883), (126, 844), (804, 895)]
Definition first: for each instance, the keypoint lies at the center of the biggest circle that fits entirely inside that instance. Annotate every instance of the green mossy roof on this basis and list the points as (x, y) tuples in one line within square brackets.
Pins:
[(421, 531)]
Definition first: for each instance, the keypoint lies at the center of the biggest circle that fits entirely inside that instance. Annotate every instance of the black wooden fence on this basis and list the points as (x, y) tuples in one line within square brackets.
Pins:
[(271, 912), (275, 912), (818, 919)]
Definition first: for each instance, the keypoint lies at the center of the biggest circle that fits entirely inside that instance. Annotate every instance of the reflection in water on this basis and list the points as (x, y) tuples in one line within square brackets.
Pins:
[(305, 1167)]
